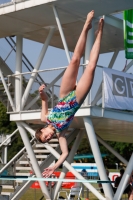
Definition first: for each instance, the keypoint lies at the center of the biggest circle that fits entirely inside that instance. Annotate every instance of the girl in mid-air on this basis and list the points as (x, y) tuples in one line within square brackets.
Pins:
[(71, 97)]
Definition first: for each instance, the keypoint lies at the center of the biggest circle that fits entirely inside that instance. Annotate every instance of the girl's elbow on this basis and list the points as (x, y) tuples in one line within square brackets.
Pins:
[(43, 120), (66, 153)]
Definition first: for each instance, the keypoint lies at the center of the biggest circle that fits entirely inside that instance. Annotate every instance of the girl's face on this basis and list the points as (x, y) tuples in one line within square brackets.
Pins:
[(47, 133)]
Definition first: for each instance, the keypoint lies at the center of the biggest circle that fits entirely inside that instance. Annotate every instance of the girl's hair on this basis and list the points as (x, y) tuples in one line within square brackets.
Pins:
[(38, 133)]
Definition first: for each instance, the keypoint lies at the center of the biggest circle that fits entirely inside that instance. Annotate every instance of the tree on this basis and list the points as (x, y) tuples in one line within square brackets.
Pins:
[(6, 127), (124, 149)]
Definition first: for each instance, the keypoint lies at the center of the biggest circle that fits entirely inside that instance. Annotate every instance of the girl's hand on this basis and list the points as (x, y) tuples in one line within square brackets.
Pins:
[(42, 93), (48, 172)]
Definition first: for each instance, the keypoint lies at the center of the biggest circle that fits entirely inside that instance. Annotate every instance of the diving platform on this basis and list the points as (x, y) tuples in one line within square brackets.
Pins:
[(32, 20), (109, 124)]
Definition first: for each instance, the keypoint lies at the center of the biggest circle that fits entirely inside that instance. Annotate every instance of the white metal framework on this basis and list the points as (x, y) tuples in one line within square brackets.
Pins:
[(22, 113)]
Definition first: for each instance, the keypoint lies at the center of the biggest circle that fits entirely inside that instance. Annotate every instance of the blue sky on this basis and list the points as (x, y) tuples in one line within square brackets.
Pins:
[(4, 1)]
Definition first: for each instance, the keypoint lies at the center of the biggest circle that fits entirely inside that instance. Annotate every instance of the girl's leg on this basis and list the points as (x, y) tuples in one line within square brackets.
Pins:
[(86, 80), (70, 75)]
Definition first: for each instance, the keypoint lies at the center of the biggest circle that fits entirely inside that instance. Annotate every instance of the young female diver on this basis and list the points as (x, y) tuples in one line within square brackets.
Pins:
[(71, 98)]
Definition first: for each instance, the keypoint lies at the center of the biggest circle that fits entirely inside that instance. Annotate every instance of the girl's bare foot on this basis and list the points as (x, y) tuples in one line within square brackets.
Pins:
[(89, 19), (100, 26)]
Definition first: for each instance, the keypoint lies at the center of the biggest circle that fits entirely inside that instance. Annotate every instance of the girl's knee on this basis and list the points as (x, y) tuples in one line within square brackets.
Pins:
[(75, 60), (91, 67)]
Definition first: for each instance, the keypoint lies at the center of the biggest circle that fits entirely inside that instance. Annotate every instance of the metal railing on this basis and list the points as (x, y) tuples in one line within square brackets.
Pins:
[(95, 94), (4, 3)]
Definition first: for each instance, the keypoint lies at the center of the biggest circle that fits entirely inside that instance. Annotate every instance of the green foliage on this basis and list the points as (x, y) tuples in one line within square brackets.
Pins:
[(15, 147), (6, 127), (124, 149)]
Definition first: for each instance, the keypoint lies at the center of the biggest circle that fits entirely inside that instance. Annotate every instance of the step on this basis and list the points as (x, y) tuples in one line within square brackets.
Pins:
[(6, 193), (2, 89), (41, 151), (25, 162), (41, 145), (7, 187), (54, 140), (23, 168), (23, 174), (39, 156)]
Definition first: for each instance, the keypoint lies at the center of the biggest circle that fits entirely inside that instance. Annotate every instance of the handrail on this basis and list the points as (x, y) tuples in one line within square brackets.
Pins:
[(23, 55), (46, 70), (43, 70), (8, 137), (15, 157)]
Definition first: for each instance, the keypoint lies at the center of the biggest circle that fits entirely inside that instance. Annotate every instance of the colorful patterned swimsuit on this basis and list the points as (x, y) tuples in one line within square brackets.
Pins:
[(63, 113)]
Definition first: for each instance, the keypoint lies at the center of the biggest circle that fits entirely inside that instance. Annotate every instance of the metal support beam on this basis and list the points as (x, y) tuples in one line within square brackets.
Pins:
[(7, 91), (113, 21), (46, 89), (128, 66), (78, 176), (124, 180), (5, 154), (39, 61), (112, 150), (113, 59), (61, 34), (33, 159), (18, 70), (67, 165), (97, 155), (69, 160)]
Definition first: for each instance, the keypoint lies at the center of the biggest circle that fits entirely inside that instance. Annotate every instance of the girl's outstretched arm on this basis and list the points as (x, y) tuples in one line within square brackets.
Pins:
[(63, 145), (44, 98)]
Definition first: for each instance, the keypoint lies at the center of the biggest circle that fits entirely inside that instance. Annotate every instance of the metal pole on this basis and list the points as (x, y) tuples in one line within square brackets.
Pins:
[(47, 88), (9, 136), (124, 179), (5, 155), (68, 166), (62, 34), (33, 159), (89, 44), (112, 150), (78, 176), (13, 159), (52, 97), (69, 160), (39, 61), (18, 85), (97, 155), (7, 91)]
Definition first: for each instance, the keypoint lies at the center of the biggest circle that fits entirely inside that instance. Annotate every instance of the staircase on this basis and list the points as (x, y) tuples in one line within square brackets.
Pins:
[(23, 167)]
